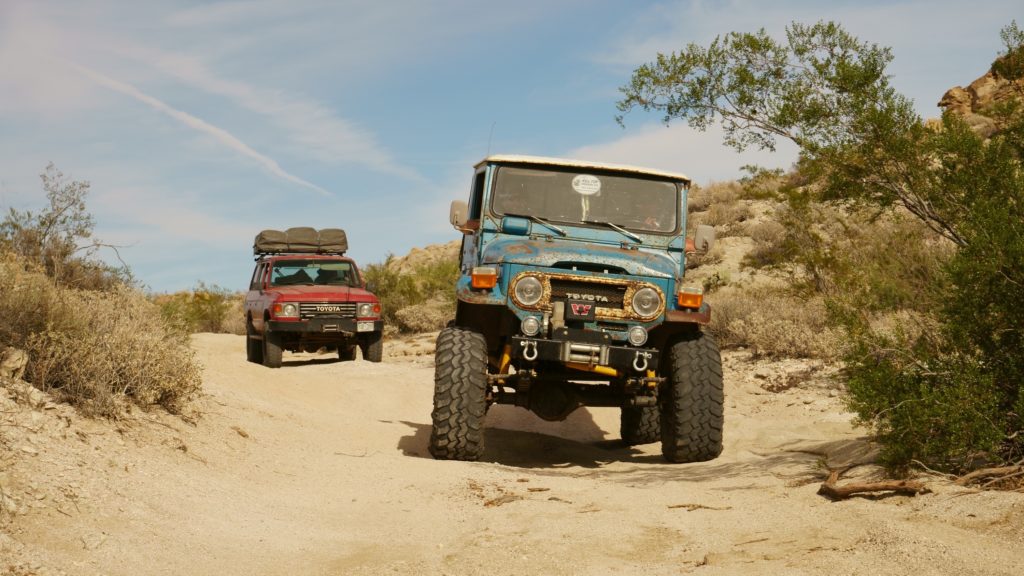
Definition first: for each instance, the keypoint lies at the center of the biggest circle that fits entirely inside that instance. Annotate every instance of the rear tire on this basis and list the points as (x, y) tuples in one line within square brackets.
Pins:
[(347, 353), (640, 425), (460, 401), (372, 346), (691, 400), (253, 347), (272, 351)]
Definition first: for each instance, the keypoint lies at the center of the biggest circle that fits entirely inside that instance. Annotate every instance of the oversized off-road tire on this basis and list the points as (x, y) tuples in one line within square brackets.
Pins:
[(460, 388), (253, 346), (372, 346), (272, 351), (347, 352), (640, 425), (691, 400)]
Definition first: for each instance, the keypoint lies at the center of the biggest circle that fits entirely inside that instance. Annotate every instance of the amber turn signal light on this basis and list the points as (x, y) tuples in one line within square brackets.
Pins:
[(484, 277), (690, 297)]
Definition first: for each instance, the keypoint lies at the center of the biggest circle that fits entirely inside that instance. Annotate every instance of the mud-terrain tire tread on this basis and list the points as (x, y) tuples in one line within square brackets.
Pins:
[(253, 347), (347, 352), (692, 399), (372, 347), (640, 425), (272, 351), (460, 388)]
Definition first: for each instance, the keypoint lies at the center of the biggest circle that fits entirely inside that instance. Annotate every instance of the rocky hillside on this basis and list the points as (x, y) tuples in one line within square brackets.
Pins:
[(980, 98)]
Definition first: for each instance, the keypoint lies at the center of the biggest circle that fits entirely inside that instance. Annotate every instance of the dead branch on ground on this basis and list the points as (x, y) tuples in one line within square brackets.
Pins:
[(831, 488), (989, 477)]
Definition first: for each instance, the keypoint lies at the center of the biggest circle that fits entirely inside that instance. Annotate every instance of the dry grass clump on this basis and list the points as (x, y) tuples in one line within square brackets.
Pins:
[(773, 323), (96, 350)]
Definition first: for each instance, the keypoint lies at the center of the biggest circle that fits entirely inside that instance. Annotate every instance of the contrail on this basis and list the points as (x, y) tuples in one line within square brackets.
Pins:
[(223, 136)]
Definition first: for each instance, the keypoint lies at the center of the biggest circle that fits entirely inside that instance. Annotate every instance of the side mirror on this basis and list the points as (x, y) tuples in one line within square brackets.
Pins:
[(704, 238), (458, 214)]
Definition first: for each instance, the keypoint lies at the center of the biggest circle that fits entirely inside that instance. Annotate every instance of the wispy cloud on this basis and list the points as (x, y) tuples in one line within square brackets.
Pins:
[(313, 129), (223, 136)]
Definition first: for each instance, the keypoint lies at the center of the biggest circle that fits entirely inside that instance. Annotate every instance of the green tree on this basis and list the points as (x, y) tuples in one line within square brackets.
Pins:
[(822, 89), (950, 398)]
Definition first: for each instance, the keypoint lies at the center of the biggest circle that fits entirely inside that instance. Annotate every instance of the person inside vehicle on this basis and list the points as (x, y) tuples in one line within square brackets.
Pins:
[(327, 276), (298, 277)]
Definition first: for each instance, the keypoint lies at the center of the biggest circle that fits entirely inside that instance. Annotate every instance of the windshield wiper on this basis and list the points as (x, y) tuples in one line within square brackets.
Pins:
[(539, 220), (617, 228)]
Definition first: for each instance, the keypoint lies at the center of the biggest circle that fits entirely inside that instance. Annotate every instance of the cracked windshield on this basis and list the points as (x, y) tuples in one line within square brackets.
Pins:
[(567, 196)]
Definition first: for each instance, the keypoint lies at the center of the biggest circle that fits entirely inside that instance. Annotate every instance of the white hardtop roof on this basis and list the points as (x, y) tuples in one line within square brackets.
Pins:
[(517, 159)]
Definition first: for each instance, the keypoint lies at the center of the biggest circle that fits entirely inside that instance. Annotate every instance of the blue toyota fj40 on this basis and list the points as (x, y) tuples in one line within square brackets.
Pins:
[(571, 294)]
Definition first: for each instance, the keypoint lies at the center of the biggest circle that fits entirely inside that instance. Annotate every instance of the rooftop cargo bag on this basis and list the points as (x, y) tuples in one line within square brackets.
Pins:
[(333, 240), (270, 241), (303, 239)]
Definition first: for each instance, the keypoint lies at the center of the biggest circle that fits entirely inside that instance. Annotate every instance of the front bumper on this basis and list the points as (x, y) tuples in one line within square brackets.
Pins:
[(327, 326), (589, 351)]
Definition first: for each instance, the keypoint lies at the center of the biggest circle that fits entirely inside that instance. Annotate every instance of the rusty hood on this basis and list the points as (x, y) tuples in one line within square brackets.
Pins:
[(563, 254)]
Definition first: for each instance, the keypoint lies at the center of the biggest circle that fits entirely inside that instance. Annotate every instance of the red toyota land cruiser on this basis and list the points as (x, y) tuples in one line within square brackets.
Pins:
[(305, 295)]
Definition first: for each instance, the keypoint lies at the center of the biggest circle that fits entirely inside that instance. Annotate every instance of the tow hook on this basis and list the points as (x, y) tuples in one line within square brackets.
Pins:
[(640, 360), (529, 350)]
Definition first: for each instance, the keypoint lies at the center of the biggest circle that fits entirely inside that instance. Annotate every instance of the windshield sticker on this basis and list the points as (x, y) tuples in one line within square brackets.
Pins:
[(586, 184)]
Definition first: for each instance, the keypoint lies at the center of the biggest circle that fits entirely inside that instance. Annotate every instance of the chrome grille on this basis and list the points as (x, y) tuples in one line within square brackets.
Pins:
[(327, 310), (616, 294)]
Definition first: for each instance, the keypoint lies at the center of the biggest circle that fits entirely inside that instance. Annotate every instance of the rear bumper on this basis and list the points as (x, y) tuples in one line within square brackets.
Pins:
[(327, 326), (624, 359)]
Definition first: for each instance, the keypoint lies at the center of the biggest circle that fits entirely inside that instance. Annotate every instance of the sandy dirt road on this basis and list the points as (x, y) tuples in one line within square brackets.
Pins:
[(321, 467)]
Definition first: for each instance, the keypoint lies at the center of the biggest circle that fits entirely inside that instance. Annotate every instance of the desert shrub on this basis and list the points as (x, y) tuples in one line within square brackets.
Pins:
[(428, 316), (774, 323), (726, 217), (698, 199), (924, 404), (951, 397), (59, 238), (94, 349), (767, 184), (1010, 63), (204, 309), (430, 287), (770, 247)]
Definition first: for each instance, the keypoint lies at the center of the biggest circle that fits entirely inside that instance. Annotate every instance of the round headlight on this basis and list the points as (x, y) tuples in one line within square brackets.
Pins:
[(528, 291), (637, 335), (290, 309), (646, 301), (530, 326), (365, 310)]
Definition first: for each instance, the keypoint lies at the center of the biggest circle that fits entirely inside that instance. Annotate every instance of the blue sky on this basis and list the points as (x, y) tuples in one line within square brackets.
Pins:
[(200, 123)]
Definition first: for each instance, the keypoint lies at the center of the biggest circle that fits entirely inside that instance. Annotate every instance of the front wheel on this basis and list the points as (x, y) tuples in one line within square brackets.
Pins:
[(691, 400), (272, 349), (253, 346), (460, 395), (372, 346)]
